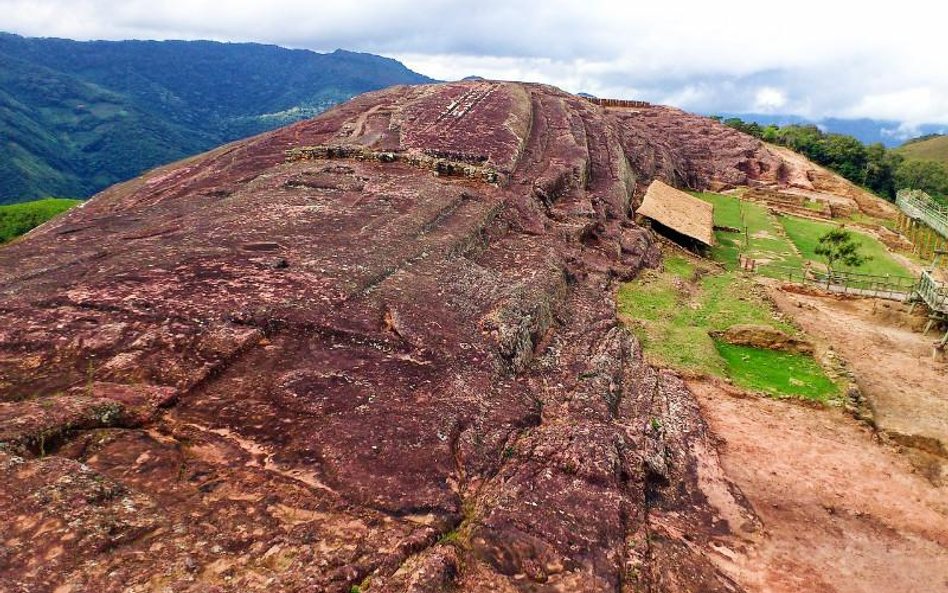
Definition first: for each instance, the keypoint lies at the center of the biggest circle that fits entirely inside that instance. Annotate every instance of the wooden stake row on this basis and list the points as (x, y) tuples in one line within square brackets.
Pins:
[(926, 241)]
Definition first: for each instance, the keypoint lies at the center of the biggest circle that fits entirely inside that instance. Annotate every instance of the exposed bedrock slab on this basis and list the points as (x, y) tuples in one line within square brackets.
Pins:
[(249, 372)]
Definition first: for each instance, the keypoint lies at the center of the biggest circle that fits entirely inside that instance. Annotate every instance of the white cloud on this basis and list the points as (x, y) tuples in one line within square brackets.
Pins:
[(913, 105), (815, 58), (902, 132), (769, 100)]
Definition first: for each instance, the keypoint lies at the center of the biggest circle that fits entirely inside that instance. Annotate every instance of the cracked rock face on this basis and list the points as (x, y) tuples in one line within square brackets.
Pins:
[(373, 368)]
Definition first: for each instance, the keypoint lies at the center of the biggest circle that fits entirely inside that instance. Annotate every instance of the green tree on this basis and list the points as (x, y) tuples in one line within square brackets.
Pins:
[(838, 247), (807, 140), (881, 168), (929, 176), (751, 128), (771, 134), (845, 155), (874, 167)]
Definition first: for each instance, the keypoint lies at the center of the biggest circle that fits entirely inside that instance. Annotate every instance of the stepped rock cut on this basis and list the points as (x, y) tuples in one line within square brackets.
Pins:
[(254, 372)]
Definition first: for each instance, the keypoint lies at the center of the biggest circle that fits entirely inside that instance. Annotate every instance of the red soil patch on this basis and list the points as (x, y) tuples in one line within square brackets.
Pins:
[(840, 512)]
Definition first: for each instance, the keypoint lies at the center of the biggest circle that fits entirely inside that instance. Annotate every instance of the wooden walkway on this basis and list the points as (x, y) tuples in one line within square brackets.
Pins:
[(933, 293), (893, 288), (926, 289), (891, 295), (920, 207)]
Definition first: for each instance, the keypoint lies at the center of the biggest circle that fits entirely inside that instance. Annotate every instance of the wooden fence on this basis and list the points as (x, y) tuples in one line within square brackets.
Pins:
[(618, 102), (933, 292), (895, 288), (919, 206)]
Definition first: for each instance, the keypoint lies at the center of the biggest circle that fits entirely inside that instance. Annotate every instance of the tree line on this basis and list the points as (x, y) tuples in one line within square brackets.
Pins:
[(872, 166)]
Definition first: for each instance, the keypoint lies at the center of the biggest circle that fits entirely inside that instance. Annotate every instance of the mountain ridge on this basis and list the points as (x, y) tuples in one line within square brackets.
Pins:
[(82, 115), (933, 148), (866, 130)]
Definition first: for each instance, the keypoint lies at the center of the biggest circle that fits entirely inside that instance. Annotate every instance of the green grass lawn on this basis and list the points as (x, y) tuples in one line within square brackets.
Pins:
[(763, 239), (776, 373), (782, 241), (727, 209), (654, 304), (805, 234), (17, 219), (672, 313)]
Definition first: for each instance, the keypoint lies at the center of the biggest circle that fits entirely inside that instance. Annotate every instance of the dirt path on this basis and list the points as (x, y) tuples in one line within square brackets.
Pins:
[(892, 361), (841, 513)]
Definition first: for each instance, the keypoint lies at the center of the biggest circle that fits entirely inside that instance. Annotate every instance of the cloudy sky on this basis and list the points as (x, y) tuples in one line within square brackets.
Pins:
[(815, 58)]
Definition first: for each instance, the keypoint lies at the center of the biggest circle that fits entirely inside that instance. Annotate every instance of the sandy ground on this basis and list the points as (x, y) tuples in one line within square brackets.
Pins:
[(840, 511), (906, 387)]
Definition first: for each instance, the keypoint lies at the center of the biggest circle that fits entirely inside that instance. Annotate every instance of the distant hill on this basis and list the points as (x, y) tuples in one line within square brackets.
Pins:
[(77, 117), (867, 131), (934, 148)]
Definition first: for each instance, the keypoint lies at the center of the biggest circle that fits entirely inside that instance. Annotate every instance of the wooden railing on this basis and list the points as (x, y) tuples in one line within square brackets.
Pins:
[(897, 288), (919, 206), (629, 103), (933, 292)]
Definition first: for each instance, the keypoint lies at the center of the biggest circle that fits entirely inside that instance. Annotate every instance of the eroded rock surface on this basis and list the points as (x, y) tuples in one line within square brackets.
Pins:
[(249, 372)]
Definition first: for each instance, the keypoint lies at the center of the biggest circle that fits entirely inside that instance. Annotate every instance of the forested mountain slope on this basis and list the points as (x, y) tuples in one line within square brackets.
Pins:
[(77, 117)]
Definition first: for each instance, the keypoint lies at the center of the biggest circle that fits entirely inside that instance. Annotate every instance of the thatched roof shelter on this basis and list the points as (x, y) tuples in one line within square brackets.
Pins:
[(679, 212)]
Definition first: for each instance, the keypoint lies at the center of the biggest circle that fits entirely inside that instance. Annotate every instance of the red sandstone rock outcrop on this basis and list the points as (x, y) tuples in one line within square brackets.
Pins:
[(696, 152), (248, 372)]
